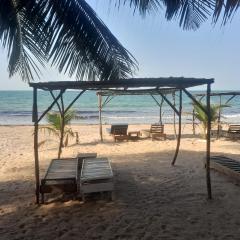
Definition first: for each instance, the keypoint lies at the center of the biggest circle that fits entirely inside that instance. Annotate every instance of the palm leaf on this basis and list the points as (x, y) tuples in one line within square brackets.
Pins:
[(67, 33)]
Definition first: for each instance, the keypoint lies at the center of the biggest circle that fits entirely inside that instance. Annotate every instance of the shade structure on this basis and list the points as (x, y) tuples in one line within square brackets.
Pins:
[(157, 83), (151, 85)]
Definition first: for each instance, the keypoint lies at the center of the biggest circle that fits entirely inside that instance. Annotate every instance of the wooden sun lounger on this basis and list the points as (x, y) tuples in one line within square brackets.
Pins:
[(157, 131), (234, 131), (96, 176), (119, 132), (227, 166), (61, 175)]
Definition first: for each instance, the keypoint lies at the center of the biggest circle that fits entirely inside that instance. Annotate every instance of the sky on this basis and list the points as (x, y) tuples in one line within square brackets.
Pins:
[(161, 48)]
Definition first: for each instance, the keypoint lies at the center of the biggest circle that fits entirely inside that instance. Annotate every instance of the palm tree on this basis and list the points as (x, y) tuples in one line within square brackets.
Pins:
[(55, 125), (70, 35), (202, 117)]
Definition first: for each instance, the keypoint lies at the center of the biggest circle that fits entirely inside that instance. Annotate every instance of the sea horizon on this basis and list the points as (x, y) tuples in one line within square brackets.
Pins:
[(16, 108)]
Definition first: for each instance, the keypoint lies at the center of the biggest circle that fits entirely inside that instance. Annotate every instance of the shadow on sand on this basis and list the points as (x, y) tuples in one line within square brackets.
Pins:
[(153, 201)]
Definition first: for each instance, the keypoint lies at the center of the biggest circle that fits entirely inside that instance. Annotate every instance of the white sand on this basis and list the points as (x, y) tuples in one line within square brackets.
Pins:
[(153, 199)]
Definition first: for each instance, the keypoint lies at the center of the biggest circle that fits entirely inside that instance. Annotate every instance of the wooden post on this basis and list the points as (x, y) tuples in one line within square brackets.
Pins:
[(36, 157), (160, 111), (179, 128), (193, 122), (62, 113), (100, 116), (174, 116), (219, 117), (208, 147)]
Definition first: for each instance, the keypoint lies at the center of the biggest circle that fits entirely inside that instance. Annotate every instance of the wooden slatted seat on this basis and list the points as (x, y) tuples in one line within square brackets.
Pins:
[(157, 131), (61, 175), (227, 166), (96, 176)]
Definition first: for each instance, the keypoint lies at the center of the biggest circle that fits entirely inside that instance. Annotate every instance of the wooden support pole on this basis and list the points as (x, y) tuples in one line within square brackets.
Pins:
[(193, 122), (62, 113), (169, 103), (174, 116), (50, 107), (179, 128), (208, 147), (219, 117), (100, 116), (36, 157)]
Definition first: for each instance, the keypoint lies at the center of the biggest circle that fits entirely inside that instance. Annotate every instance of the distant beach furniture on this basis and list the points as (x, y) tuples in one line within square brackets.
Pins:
[(228, 166), (234, 131), (156, 131), (119, 131)]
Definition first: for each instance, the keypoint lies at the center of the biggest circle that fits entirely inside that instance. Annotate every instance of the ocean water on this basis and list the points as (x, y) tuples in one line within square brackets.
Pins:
[(16, 108)]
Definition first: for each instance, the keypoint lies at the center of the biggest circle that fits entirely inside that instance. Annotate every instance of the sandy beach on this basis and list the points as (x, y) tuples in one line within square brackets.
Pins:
[(153, 200)]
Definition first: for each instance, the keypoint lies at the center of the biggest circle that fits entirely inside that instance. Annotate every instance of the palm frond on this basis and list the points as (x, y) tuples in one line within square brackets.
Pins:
[(50, 130), (21, 38), (80, 43), (143, 6), (67, 33)]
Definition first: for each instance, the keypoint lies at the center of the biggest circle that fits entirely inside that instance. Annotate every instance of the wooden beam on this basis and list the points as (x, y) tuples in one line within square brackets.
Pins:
[(179, 128), (208, 147), (176, 82), (36, 157), (107, 100), (62, 128), (169, 103), (50, 107), (195, 100), (230, 99), (100, 116), (74, 100), (56, 101), (219, 117), (193, 122)]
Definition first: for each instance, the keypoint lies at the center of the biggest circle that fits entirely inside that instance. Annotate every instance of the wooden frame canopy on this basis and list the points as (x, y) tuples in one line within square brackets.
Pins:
[(179, 82), (151, 85)]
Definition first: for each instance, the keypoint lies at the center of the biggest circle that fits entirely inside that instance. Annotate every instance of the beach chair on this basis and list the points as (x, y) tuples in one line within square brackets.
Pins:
[(157, 131), (227, 166), (61, 175), (233, 131), (119, 132), (96, 176)]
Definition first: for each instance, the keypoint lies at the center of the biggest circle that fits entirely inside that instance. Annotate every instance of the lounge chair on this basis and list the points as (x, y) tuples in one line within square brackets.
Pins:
[(157, 131), (96, 176), (227, 166), (61, 175), (234, 131), (119, 132)]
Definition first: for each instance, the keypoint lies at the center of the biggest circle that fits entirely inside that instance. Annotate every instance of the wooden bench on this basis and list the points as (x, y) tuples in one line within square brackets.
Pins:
[(227, 166), (96, 176), (234, 131), (61, 175), (157, 131), (120, 132)]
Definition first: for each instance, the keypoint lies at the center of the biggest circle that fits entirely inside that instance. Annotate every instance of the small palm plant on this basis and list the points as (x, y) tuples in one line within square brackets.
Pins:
[(54, 126), (203, 118)]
